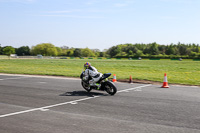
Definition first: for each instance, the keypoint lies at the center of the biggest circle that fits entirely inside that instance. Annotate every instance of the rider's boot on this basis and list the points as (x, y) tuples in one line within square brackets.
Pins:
[(91, 83), (98, 86)]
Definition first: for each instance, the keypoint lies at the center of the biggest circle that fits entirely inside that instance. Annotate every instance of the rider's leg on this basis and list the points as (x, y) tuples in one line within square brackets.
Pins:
[(91, 82)]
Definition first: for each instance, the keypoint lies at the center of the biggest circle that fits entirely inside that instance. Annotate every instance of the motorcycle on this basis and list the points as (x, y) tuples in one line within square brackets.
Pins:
[(103, 84)]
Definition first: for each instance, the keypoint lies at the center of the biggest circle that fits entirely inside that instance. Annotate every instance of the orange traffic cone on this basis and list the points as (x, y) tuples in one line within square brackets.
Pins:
[(130, 80), (165, 83), (114, 78)]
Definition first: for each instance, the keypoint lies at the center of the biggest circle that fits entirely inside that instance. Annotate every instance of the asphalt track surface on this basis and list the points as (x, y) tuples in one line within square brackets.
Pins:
[(34, 104)]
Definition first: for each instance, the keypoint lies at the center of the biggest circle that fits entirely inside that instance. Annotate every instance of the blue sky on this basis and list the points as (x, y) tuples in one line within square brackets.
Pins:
[(98, 23)]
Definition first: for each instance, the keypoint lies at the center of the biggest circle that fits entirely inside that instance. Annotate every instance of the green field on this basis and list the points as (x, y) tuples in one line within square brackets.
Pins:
[(179, 72)]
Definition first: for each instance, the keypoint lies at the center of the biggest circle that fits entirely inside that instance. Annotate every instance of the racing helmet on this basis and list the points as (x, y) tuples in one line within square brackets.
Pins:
[(87, 65)]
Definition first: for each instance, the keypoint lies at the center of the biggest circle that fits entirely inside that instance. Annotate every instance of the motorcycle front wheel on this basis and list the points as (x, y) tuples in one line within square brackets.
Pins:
[(86, 86), (110, 88)]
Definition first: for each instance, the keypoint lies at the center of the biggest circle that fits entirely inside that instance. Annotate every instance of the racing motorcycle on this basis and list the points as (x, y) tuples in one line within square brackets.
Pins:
[(103, 84)]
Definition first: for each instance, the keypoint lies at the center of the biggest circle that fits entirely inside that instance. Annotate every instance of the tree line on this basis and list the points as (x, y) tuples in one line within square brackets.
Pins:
[(154, 50), (48, 49), (151, 50)]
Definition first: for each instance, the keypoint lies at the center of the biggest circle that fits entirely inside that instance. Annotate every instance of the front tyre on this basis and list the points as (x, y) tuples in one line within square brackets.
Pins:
[(110, 88), (86, 86)]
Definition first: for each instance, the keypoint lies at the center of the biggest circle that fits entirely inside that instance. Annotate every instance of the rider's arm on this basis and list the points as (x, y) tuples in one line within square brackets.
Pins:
[(86, 75)]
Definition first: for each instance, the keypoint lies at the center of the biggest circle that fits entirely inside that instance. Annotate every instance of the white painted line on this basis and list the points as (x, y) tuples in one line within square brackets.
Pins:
[(135, 88), (74, 103), (21, 112), (45, 108), (42, 82), (139, 89)]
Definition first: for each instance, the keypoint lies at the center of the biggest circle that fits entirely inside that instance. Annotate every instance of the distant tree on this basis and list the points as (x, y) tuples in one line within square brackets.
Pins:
[(132, 49), (95, 50), (113, 51), (1, 52), (129, 49), (24, 50), (87, 53), (46, 49), (130, 53), (182, 49), (8, 50), (147, 49), (188, 51), (70, 52), (198, 49), (195, 48), (64, 47), (52, 51), (102, 54), (59, 51), (153, 50), (162, 49), (170, 50), (105, 50), (140, 46), (77, 52), (139, 53), (193, 54)]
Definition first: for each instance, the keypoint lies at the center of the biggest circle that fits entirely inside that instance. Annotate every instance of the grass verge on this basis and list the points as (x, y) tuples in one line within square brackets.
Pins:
[(178, 72)]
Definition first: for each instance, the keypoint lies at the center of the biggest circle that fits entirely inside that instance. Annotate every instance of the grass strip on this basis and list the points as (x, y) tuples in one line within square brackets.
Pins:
[(179, 72)]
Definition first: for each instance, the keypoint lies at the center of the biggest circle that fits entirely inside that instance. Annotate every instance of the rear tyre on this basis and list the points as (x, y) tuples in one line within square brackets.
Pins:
[(110, 88), (86, 86)]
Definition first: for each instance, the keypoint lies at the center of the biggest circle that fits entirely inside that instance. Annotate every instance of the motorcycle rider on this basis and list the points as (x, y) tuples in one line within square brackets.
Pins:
[(92, 72)]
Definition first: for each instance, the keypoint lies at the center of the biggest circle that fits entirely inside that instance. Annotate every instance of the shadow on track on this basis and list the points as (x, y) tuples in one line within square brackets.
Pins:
[(82, 93)]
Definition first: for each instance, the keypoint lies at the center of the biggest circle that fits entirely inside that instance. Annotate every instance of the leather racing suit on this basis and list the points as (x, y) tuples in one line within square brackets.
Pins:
[(94, 74)]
